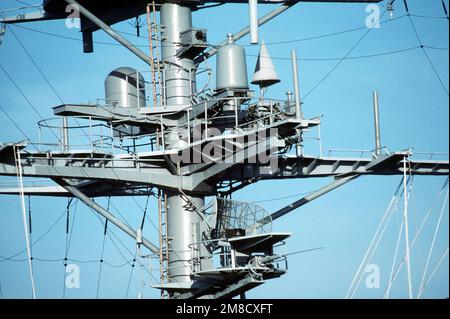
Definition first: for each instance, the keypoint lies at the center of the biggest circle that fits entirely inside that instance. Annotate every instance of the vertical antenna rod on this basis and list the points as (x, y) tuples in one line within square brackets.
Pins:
[(377, 123), (298, 108), (253, 15), (65, 133), (243, 32)]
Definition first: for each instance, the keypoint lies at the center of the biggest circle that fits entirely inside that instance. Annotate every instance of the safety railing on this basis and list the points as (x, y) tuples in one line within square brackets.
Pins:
[(415, 154), (225, 256), (68, 134), (94, 136), (280, 249), (430, 155), (259, 113), (362, 153)]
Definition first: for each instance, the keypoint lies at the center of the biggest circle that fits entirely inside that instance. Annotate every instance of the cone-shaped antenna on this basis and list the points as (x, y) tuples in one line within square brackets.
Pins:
[(265, 74)]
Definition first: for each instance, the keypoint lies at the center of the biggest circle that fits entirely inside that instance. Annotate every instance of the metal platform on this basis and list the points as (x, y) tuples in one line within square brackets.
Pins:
[(257, 243)]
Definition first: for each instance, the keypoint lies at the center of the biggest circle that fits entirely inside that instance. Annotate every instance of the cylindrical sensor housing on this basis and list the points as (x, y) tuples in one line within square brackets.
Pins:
[(125, 87), (231, 70)]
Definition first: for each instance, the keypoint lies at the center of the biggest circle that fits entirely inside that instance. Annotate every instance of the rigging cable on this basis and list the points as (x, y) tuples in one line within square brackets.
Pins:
[(74, 260), (118, 211), (118, 239), (422, 283), (36, 65), (73, 222), (405, 218), (27, 4), (159, 234), (29, 227), (211, 6), (445, 8), (444, 186), (131, 276), (27, 99), (29, 217), (395, 258), (17, 126), (134, 256), (339, 62), (433, 272), (268, 43), (392, 207), (103, 251), (21, 8), (69, 201), (376, 244), (426, 53), (24, 216), (283, 197), (406, 6), (44, 76), (320, 36), (145, 212), (138, 244), (357, 57), (137, 249), (10, 258)]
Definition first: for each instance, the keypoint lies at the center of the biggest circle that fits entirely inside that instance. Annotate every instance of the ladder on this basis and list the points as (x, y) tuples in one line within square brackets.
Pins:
[(154, 37), (163, 241)]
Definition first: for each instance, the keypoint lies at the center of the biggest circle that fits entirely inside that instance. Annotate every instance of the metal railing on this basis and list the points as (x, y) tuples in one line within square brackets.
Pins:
[(227, 257), (361, 153), (97, 137), (431, 155), (100, 137)]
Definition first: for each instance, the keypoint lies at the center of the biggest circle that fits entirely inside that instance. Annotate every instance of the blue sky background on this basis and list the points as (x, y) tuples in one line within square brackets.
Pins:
[(413, 112)]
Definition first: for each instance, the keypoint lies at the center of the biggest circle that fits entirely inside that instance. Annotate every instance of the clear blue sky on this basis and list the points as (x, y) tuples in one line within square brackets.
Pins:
[(413, 110)]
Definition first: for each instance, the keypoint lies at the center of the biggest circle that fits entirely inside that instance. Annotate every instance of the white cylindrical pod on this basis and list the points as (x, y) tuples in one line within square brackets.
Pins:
[(123, 89)]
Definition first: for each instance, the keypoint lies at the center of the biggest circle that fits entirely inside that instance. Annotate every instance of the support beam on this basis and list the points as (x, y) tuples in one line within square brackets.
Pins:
[(32, 17), (110, 217), (237, 288), (283, 211), (110, 31)]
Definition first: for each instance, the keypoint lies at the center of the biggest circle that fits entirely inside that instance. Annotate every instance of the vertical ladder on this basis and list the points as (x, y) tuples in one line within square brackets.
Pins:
[(155, 65), (163, 241)]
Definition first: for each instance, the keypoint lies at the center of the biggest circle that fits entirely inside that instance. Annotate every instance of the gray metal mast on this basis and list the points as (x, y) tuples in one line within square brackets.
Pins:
[(179, 85), (246, 250)]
